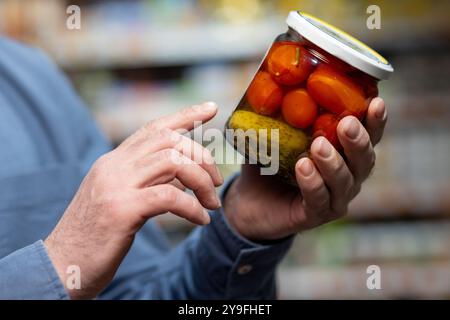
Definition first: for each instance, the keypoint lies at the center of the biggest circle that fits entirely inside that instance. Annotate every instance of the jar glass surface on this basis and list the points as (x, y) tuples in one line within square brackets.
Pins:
[(299, 92)]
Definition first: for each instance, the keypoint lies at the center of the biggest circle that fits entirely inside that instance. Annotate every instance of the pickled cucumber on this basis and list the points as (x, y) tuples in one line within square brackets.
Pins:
[(292, 142)]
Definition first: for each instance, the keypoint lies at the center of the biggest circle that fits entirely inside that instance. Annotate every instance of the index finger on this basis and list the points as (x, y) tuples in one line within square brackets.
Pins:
[(186, 118)]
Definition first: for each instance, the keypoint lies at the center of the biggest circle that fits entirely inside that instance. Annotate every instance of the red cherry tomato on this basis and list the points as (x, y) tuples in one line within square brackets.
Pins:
[(337, 92), (264, 95), (289, 63), (271, 50), (326, 126), (299, 109)]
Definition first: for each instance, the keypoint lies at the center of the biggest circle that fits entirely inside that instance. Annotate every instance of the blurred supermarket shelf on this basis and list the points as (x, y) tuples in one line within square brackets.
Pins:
[(430, 280), (167, 46), (342, 243), (121, 107)]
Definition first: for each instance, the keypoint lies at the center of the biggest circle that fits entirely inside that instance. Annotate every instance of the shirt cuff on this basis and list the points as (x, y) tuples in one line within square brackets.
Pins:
[(253, 264), (28, 274)]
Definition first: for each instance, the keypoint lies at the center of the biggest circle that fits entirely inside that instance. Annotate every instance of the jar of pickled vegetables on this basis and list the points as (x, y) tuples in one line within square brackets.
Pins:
[(312, 76)]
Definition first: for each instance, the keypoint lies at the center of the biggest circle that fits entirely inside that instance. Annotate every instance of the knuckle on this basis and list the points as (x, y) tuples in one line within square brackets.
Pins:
[(145, 162), (102, 161), (160, 135), (167, 194), (165, 134), (337, 165), (320, 207), (187, 148), (207, 156), (151, 126), (195, 208), (295, 221), (166, 137), (315, 187), (172, 155), (204, 182), (349, 183), (364, 144), (349, 189), (343, 188), (304, 221), (322, 204), (187, 112), (99, 165), (205, 178)]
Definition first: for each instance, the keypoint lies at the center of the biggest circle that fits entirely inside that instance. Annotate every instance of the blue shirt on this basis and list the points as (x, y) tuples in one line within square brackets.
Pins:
[(48, 141)]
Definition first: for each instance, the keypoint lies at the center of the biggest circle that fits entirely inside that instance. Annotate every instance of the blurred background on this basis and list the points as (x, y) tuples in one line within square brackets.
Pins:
[(135, 60)]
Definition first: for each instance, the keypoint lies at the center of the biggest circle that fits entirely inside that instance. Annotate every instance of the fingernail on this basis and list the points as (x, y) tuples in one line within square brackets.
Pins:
[(206, 217), (324, 148), (209, 106), (214, 201), (380, 113), (306, 168), (352, 129), (219, 203), (219, 174)]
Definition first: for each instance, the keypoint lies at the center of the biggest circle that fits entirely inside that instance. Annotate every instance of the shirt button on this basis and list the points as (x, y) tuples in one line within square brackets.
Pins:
[(244, 269)]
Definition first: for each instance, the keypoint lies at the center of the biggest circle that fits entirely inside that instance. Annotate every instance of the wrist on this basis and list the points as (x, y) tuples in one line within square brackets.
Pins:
[(231, 201), (249, 217), (58, 260), (55, 258), (238, 213)]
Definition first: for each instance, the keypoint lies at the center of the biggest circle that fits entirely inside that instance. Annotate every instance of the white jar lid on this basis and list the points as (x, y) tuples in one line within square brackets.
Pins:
[(340, 44)]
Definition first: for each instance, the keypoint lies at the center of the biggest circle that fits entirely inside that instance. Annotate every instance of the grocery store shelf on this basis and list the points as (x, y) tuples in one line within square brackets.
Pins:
[(163, 46), (343, 243), (400, 280), (380, 201)]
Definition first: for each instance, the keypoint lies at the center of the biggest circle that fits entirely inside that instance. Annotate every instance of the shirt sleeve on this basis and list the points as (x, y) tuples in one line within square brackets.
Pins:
[(29, 274), (214, 262)]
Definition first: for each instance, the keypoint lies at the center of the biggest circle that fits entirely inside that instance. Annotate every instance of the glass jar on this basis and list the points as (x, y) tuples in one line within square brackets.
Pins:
[(312, 76)]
